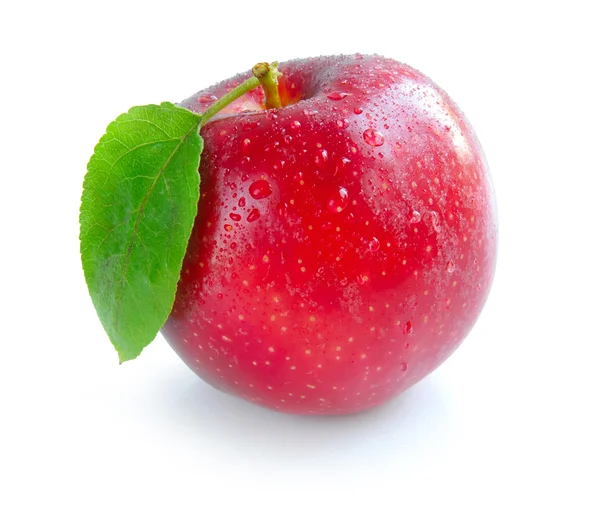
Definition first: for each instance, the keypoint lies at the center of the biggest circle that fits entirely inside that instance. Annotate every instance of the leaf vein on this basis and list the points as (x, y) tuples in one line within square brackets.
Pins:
[(118, 295)]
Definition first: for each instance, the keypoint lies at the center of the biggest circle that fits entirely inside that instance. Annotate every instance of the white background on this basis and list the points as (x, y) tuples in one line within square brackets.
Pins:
[(511, 419)]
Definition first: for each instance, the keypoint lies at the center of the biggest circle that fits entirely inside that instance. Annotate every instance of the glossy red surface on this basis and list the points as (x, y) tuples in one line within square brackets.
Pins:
[(345, 244)]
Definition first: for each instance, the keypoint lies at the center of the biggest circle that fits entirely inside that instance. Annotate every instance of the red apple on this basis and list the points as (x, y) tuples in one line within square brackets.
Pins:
[(345, 243)]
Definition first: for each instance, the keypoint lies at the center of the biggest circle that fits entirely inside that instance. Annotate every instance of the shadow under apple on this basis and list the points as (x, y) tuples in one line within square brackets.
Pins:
[(412, 424)]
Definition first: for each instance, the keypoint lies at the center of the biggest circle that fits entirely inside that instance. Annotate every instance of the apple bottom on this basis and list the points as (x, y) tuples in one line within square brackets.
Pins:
[(346, 373)]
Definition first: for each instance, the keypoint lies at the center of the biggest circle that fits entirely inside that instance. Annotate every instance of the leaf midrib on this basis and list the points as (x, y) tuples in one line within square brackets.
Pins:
[(118, 294)]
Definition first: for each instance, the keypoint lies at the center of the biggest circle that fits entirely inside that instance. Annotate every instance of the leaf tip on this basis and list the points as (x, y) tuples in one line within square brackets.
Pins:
[(127, 355)]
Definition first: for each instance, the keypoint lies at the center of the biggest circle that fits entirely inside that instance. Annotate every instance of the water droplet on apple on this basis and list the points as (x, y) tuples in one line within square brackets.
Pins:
[(321, 158), (337, 95), (358, 110), (228, 227), (342, 124), (450, 267), (253, 215), (341, 164), (260, 189), (282, 209), (235, 217), (403, 366), (415, 217), (374, 245), (207, 98), (338, 200), (295, 125), (408, 329), (435, 221), (250, 125), (246, 145), (242, 202), (373, 137)]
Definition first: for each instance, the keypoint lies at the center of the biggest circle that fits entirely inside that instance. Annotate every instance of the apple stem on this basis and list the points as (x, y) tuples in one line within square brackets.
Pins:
[(264, 75), (267, 75), (228, 98)]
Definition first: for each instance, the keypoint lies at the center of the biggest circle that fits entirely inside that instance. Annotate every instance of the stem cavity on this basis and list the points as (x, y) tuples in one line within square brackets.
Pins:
[(265, 75)]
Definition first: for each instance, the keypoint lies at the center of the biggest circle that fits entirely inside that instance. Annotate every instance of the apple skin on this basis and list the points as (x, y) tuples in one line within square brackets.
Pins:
[(345, 244)]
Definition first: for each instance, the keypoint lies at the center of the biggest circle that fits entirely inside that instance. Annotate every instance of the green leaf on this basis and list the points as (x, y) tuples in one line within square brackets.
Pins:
[(139, 201)]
